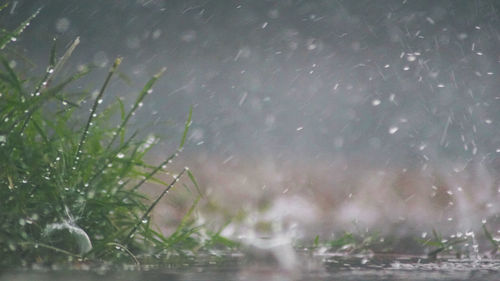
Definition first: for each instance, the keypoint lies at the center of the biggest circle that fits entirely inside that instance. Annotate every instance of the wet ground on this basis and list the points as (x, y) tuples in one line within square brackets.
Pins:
[(311, 267)]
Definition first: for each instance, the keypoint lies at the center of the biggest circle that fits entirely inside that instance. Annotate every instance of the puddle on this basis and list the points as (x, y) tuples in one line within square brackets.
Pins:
[(310, 267)]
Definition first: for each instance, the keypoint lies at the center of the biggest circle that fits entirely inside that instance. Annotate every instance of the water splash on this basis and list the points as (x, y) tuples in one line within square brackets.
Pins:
[(81, 237)]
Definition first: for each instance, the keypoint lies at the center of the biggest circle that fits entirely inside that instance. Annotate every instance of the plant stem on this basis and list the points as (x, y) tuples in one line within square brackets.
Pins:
[(151, 207), (94, 108)]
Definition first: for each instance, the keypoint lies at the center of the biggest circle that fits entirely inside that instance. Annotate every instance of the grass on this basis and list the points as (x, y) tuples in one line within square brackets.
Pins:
[(69, 190)]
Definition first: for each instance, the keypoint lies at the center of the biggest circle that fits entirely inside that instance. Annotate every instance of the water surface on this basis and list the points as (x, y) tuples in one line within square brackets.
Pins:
[(311, 267)]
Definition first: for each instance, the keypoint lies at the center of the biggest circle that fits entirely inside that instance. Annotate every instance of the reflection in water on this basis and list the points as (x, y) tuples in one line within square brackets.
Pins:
[(312, 267)]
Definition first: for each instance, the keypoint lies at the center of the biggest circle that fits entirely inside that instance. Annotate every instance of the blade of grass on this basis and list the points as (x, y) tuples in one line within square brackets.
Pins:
[(151, 207), (62, 61), (120, 246), (51, 248), (49, 74), (4, 6), (12, 77), (193, 180), (6, 39), (101, 168), (145, 90), (94, 108), (186, 128), (490, 238), (152, 173), (52, 93), (122, 115)]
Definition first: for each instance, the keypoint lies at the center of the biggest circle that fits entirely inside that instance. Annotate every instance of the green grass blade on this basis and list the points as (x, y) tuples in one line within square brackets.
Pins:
[(4, 6), (94, 108), (145, 90), (52, 57), (186, 128), (11, 77), (151, 207), (155, 170), (490, 238), (62, 61), (193, 180), (6, 39)]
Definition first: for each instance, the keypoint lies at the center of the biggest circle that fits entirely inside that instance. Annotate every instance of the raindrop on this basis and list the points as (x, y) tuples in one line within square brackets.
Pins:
[(188, 36), (62, 25), (133, 42), (411, 57), (156, 34), (101, 59), (393, 130), (274, 14), (311, 44)]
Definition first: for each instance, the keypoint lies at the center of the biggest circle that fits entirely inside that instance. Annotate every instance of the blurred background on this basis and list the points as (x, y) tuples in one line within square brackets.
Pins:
[(309, 117)]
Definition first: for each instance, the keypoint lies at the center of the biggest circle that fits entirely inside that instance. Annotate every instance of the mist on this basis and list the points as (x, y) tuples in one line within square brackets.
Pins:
[(374, 112)]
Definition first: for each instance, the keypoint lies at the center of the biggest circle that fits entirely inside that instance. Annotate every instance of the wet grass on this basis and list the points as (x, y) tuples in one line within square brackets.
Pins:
[(69, 189)]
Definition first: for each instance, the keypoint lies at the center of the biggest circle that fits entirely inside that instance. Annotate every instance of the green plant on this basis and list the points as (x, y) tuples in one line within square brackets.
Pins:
[(493, 241), (353, 244), (71, 192), (442, 245)]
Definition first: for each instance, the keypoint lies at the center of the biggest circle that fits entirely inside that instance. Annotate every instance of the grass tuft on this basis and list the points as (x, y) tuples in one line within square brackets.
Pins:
[(70, 192)]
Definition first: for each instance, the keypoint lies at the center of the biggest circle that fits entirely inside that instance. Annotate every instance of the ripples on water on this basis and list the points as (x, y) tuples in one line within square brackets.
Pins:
[(237, 266)]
